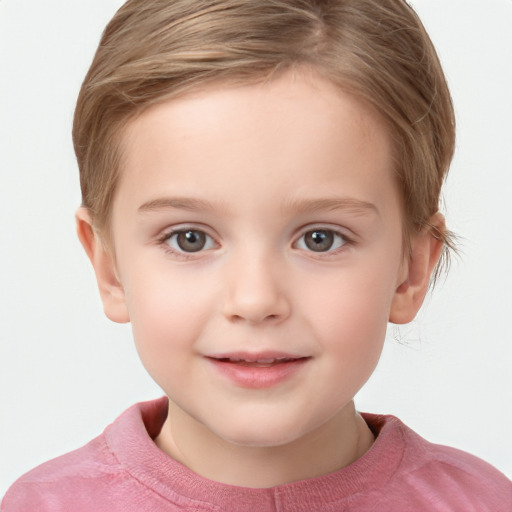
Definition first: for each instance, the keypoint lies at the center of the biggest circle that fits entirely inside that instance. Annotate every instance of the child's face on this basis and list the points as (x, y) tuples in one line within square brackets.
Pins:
[(260, 222)]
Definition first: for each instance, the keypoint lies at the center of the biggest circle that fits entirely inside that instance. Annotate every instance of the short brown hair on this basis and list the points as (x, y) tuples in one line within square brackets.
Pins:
[(377, 50)]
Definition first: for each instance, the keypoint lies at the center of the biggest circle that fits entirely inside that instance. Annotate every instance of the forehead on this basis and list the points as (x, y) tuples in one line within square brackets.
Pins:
[(299, 92), (298, 130)]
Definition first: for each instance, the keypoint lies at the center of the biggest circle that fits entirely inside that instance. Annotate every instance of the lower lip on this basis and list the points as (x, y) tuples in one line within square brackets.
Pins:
[(258, 377)]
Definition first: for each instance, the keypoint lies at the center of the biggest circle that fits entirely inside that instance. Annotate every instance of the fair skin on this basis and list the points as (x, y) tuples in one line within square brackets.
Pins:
[(257, 241)]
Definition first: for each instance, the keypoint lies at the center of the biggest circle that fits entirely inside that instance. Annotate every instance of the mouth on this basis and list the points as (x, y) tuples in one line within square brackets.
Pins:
[(262, 370)]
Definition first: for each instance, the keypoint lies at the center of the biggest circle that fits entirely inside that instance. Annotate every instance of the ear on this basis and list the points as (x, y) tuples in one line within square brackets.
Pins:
[(412, 288), (111, 290)]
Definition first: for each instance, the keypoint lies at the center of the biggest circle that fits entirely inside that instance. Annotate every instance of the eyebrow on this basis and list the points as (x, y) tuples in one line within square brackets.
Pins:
[(352, 205), (176, 203)]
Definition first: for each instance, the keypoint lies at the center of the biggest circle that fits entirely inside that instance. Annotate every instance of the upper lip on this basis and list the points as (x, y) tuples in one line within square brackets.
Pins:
[(267, 356)]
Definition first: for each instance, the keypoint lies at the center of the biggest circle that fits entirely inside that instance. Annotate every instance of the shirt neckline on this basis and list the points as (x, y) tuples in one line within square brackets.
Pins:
[(130, 438)]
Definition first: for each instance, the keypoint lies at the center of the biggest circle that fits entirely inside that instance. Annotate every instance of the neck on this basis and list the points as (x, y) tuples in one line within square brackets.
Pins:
[(332, 446)]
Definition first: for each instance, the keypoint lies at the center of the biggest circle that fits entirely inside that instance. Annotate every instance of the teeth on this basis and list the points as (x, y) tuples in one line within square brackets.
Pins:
[(259, 361)]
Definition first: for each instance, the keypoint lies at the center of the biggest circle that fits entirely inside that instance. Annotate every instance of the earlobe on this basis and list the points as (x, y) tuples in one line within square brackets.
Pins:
[(109, 285), (425, 253)]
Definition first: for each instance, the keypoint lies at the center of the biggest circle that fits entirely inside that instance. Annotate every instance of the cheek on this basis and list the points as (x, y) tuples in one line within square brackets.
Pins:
[(351, 319), (353, 342), (167, 314)]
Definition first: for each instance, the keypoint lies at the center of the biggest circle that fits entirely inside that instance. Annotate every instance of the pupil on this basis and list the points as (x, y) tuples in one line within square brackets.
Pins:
[(319, 241), (191, 241)]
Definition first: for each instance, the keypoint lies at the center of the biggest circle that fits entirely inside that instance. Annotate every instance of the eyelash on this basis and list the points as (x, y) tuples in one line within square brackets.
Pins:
[(168, 235)]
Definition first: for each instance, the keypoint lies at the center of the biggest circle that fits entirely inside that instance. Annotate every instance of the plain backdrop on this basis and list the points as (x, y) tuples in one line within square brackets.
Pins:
[(66, 371)]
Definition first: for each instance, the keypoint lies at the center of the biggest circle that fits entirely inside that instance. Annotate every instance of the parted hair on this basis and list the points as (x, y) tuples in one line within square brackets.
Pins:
[(376, 50)]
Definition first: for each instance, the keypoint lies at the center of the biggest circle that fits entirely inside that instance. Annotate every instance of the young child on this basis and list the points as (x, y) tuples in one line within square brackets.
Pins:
[(261, 185)]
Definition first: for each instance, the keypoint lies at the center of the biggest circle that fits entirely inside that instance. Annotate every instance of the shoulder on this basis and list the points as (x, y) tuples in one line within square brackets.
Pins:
[(445, 477), (60, 482), (92, 474)]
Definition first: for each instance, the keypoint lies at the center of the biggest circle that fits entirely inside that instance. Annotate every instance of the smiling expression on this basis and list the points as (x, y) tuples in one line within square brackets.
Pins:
[(258, 241)]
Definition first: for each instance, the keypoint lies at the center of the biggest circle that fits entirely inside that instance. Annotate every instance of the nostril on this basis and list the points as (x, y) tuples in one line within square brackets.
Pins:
[(255, 320)]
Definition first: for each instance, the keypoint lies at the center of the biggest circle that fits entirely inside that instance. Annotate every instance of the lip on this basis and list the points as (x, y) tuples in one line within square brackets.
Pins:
[(257, 370)]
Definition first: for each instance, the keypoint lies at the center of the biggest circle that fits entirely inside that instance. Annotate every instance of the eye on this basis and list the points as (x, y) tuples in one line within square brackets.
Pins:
[(189, 240), (321, 240)]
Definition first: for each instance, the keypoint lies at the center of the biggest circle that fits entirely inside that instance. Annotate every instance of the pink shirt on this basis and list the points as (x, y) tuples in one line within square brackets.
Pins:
[(123, 470)]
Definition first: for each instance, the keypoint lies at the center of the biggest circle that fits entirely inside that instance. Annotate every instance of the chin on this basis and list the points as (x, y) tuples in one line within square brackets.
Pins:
[(260, 435)]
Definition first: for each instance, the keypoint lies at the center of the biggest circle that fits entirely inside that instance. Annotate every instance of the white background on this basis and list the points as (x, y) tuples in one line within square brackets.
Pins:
[(66, 371)]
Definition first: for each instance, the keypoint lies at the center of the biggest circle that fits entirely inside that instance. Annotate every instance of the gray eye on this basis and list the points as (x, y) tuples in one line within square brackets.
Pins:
[(190, 240), (320, 240)]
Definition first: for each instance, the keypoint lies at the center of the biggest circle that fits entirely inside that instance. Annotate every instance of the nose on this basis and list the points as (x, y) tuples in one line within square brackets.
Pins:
[(256, 291)]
